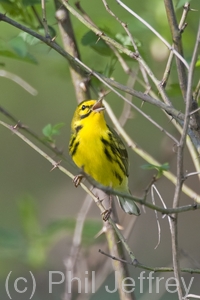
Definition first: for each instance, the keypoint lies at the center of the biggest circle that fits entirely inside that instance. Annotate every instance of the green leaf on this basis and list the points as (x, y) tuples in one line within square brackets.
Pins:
[(17, 49), (56, 128), (47, 130), (11, 7), (90, 39), (50, 130), (125, 40), (29, 39), (160, 169), (19, 46), (164, 167)]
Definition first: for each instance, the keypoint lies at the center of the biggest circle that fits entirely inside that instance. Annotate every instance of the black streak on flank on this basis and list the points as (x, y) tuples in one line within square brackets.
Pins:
[(106, 143), (112, 148), (109, 157), (78, 128), (118, 177), (75, 148), (121, 167), (72, 143)]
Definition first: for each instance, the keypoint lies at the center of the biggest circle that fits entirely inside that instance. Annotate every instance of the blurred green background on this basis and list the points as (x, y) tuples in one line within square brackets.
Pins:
[(39, 207)]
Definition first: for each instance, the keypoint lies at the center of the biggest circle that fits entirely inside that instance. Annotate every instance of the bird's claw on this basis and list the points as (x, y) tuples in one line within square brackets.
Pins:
[(77, 180), (106, 214)]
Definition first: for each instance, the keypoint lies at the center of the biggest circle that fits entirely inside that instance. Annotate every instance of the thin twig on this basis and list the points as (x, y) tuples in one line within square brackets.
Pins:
[(156, 214), (196, 93), (137, 264), (176, 36), (25, 128), (125, 26), (44, 19), (191, 174), (71, 261), (194, 111), (19, 81), (126, 111), (37, 16), (181, 27)]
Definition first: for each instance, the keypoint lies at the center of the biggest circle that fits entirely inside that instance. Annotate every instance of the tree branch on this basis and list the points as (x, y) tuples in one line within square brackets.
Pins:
[(176, 36), (181, 27), (149, 268)]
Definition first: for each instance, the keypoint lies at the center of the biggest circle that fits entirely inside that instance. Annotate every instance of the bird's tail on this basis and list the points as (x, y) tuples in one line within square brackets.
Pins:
[(128, 206)]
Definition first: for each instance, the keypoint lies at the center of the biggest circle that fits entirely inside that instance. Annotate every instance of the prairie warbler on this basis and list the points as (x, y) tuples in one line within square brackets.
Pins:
[(99, 151)]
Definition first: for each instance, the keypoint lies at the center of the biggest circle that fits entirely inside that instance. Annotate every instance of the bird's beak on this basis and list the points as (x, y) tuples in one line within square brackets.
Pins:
[(98, 106)]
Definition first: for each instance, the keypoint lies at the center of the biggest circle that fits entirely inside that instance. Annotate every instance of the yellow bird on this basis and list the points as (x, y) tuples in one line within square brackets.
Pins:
[(99, 151)]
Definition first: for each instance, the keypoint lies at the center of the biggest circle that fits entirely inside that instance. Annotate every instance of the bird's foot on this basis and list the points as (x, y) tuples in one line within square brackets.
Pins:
[(106, 214), (77, 180)]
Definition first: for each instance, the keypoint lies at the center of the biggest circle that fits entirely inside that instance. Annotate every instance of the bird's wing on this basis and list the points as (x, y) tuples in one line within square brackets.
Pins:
[(120, 148)]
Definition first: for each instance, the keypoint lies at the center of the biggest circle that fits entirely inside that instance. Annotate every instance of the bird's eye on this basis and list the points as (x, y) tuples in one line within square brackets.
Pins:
[(83, 107)]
